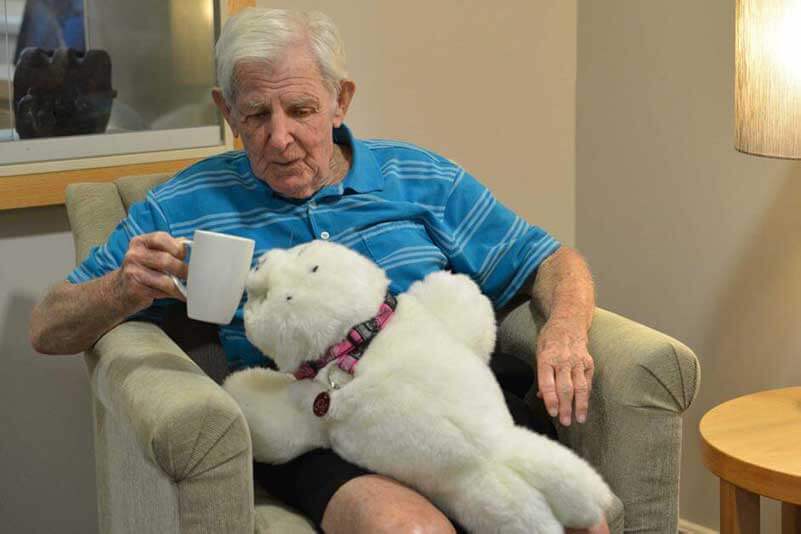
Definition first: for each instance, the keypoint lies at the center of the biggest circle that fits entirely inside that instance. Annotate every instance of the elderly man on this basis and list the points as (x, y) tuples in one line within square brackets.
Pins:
[(303, 176)]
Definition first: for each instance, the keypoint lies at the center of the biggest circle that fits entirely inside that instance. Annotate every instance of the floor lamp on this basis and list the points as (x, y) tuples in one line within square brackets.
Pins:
[(767, 96), (768, 78)]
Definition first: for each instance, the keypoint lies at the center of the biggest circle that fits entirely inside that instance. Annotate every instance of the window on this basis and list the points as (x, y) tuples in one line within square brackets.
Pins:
[(97, 78)]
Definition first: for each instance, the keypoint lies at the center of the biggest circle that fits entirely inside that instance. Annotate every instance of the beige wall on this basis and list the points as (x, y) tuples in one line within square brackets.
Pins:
[(684, 233), (489, 85), (47, 480)]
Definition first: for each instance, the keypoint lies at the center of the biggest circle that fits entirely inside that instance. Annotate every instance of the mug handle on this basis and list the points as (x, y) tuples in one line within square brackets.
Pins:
[(180, 285)]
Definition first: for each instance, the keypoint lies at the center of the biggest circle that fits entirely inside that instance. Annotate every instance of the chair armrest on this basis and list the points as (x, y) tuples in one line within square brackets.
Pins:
[(644, 380), (642, 367), (183, 421), (635, 366)]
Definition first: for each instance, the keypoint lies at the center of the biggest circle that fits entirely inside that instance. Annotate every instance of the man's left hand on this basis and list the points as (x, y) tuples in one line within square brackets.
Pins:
[(564, 370)]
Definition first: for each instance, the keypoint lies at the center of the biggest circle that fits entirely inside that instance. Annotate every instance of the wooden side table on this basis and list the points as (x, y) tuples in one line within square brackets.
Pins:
[(753, 443)]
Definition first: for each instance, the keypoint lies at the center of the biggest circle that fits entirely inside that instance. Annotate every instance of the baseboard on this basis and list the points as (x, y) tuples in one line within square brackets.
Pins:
[(686, 527)]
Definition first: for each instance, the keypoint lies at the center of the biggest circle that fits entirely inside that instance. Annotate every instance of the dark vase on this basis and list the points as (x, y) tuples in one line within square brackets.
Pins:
[(62, 92)]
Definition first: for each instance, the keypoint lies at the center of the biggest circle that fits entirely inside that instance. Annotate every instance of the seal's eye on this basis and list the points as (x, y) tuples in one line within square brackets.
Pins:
[(314, 269), (289, 297)]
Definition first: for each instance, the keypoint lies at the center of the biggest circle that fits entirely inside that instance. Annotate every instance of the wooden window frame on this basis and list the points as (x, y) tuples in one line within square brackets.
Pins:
[(46, 188)]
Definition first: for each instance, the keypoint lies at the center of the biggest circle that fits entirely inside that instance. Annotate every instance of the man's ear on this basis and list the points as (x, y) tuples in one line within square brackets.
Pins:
[(225, 109), (346, 91)]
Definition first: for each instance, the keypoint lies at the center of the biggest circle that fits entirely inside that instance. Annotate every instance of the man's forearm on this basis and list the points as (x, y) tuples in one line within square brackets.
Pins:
[(563, 288), (72, 317)]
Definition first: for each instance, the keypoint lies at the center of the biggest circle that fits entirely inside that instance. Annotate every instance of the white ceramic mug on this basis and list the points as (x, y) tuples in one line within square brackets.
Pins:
[(218, 267)]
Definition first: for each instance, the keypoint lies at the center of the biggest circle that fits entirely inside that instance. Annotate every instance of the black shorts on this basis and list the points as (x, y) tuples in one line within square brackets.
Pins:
[(309, 481)]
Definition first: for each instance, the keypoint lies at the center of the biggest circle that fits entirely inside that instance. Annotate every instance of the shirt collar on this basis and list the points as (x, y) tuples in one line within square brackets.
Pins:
[(364, 174)]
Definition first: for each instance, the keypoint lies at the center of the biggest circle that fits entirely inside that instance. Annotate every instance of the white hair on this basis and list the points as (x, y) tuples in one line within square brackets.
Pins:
[(260, 34)]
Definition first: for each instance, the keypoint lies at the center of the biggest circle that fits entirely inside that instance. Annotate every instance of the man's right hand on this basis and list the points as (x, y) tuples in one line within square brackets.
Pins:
[(146, 268), (72, 317)]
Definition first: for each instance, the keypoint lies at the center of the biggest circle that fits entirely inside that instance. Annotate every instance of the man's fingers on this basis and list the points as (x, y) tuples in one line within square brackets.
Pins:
[(589, 372), (564, 388), (156, 281), (547, 388), (166, 263), (581, 392), (164, 242), (159, 251)]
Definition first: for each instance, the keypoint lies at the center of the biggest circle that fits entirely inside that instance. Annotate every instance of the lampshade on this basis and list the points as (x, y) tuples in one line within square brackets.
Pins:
[(768, 80)]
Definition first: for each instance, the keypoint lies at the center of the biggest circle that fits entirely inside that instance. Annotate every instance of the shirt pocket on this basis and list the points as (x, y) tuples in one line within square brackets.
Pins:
[(404, 250)]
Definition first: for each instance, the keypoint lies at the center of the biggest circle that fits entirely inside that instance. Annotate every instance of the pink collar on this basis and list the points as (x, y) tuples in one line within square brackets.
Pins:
[(348, 351)]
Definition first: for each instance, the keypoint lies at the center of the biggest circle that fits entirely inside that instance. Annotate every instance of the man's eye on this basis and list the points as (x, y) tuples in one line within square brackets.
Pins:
[(261, 115), (303, 112)]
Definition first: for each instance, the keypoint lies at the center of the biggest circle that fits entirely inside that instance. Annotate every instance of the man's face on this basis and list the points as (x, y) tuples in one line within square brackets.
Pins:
[(285, 115)]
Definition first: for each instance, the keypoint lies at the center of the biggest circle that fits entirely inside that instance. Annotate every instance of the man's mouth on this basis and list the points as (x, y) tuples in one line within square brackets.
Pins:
[(282, 168), (286, 163)]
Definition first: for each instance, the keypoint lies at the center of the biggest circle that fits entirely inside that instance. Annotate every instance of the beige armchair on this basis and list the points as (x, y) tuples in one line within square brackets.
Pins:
[(173, 450)]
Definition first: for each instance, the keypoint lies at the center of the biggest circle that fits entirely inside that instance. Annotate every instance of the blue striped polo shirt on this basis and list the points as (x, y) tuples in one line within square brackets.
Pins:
[(406, 208)]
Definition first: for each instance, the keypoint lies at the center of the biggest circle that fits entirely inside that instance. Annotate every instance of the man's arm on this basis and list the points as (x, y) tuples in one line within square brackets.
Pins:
[(564, 292), (72, 317)]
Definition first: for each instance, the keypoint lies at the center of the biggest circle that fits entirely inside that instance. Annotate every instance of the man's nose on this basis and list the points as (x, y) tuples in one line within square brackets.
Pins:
[(280, 136)]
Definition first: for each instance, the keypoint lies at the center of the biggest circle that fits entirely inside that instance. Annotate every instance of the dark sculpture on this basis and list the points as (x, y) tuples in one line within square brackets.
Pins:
[(62, 92)]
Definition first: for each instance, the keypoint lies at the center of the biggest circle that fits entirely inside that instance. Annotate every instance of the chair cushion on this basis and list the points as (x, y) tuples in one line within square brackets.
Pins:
[(273, 517)]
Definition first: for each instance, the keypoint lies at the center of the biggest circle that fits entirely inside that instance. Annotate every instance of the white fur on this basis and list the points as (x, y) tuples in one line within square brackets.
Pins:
[(423, 406)]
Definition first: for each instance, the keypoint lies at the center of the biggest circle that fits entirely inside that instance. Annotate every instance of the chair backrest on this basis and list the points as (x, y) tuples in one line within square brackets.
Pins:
[(94, 210), (132, 189)]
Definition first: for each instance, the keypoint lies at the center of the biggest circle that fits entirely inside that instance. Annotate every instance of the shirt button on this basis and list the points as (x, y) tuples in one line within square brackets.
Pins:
[(325, 235)]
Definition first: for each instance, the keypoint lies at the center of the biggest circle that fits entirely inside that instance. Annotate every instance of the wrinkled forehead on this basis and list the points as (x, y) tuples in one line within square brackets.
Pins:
[(294, 69)]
